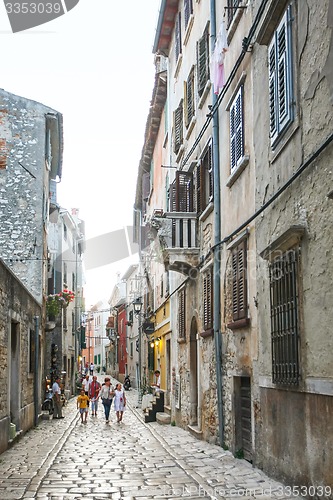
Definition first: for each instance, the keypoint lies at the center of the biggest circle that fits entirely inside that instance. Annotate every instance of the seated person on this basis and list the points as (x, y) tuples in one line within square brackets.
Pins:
[(157, 385)]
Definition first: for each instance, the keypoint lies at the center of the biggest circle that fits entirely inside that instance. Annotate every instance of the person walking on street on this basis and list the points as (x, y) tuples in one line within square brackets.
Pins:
[(82, 403), (94, 390), (119, 402), (86, 384), (56, 396), (106, 394), (91, 368)]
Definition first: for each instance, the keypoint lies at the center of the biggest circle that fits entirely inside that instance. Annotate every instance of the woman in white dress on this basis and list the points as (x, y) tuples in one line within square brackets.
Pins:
[(119, 402)]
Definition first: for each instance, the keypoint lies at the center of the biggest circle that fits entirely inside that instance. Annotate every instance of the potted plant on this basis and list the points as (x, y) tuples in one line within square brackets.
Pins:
[(56, 301)]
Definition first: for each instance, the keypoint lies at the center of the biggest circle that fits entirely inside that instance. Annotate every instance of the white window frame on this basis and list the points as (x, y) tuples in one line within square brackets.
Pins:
[(281, 99), (236, 124)]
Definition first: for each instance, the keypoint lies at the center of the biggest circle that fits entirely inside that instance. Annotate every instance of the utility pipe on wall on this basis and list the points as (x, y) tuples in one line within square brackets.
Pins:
[(217, 237), (36, 371)]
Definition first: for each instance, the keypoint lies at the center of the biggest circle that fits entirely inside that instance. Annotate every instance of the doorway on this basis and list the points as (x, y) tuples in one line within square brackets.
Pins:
[(15, 374)]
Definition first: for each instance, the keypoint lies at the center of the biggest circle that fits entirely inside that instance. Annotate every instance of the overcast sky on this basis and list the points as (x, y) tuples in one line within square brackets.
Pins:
[(95, 66)]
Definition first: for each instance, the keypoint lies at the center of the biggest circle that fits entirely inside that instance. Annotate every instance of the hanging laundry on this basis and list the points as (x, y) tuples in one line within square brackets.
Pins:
[(217, 72)]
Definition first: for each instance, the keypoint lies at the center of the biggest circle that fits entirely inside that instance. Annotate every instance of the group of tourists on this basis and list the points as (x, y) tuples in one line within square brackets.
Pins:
[(92, 392)]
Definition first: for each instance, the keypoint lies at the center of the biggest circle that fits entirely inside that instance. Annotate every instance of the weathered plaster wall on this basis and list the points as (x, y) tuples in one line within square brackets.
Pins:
[(289, 444)]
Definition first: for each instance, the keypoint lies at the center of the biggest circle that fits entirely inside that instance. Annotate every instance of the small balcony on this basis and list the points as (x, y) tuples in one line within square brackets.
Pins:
[(177, 232)]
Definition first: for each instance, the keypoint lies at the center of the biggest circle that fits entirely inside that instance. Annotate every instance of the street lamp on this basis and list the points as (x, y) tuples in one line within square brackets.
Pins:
[(137, 303)]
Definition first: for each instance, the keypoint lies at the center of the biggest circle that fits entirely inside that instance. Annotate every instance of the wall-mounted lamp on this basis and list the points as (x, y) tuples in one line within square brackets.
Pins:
[(137, 304), (152, 343)]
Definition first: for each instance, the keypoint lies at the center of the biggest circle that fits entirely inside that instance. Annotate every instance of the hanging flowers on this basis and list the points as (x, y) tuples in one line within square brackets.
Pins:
[(55, 302)]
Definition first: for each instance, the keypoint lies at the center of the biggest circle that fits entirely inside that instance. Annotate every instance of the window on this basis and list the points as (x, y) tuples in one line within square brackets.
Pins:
[(284, 275), (280, 78), (181, 192), (189, 99), (203, 61), (188, 10), (178, 40), (232, 9), (236, 130), (239, 281), (181, 313), (204, 180), (208, 300), (178, 127)]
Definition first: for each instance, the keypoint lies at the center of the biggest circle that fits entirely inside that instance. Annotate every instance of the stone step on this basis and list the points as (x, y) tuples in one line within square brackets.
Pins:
[(167, 409), (163, 418)]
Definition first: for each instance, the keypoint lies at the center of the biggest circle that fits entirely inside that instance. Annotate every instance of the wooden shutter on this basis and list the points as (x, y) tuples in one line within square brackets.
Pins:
[(236, 130), (280, 77), (181, 313), (178, 39), (184, 192), (203, 62), (3, 154), (189, 99), (208, 301), (188, 10), (145, 186), (239, 281), (178, 127), (198, 189)]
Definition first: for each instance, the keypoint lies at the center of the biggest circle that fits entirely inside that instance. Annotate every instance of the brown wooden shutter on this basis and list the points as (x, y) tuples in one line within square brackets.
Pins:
[(178, 127), (181, 313), (239, 281), (184, 192), (208, 301), (178, 41), (203, 62)]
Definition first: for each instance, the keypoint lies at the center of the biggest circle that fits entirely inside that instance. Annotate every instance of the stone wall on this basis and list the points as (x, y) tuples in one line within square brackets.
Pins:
[(17, 334)]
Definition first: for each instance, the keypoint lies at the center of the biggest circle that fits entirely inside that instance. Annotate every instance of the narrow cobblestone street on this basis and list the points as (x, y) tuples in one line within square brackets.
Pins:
[(65, 459)]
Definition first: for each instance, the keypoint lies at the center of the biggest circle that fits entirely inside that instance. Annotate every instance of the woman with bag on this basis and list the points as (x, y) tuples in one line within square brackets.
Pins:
[(119, 402), (106, 394)]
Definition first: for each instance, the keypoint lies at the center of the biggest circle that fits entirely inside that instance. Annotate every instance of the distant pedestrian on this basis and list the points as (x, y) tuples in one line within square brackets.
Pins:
[(94, 390), (91, 369), (85, 384), (56, 396), (119, 402), (86, 369), (83, 405), (106, 394)]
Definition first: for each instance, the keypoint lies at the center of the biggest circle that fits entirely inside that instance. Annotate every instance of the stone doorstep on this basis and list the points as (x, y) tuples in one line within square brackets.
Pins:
[(167, 409), (163, 418), (195, 431)]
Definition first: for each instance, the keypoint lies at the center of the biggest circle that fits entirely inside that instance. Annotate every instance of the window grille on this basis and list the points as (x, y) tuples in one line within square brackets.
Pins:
[(284, 274), (232, 9)]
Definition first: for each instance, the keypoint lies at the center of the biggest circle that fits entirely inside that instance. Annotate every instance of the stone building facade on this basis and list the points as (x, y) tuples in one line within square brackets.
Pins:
[(31, 154), (21, 351), (243, 217)]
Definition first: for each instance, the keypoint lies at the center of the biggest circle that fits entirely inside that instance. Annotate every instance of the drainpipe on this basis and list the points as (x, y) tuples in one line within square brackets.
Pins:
[(36, 373), (217, 236)]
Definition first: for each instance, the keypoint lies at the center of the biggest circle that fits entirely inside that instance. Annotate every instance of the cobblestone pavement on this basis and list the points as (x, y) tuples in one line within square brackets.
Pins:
[(65, 459)]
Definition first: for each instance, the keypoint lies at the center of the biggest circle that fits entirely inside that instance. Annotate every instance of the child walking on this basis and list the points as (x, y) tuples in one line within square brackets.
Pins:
[(119, 402), (83, 404)]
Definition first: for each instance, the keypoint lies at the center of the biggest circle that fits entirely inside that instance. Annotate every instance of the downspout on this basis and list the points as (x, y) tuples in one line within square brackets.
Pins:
[(36, 372), (217, 237)]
